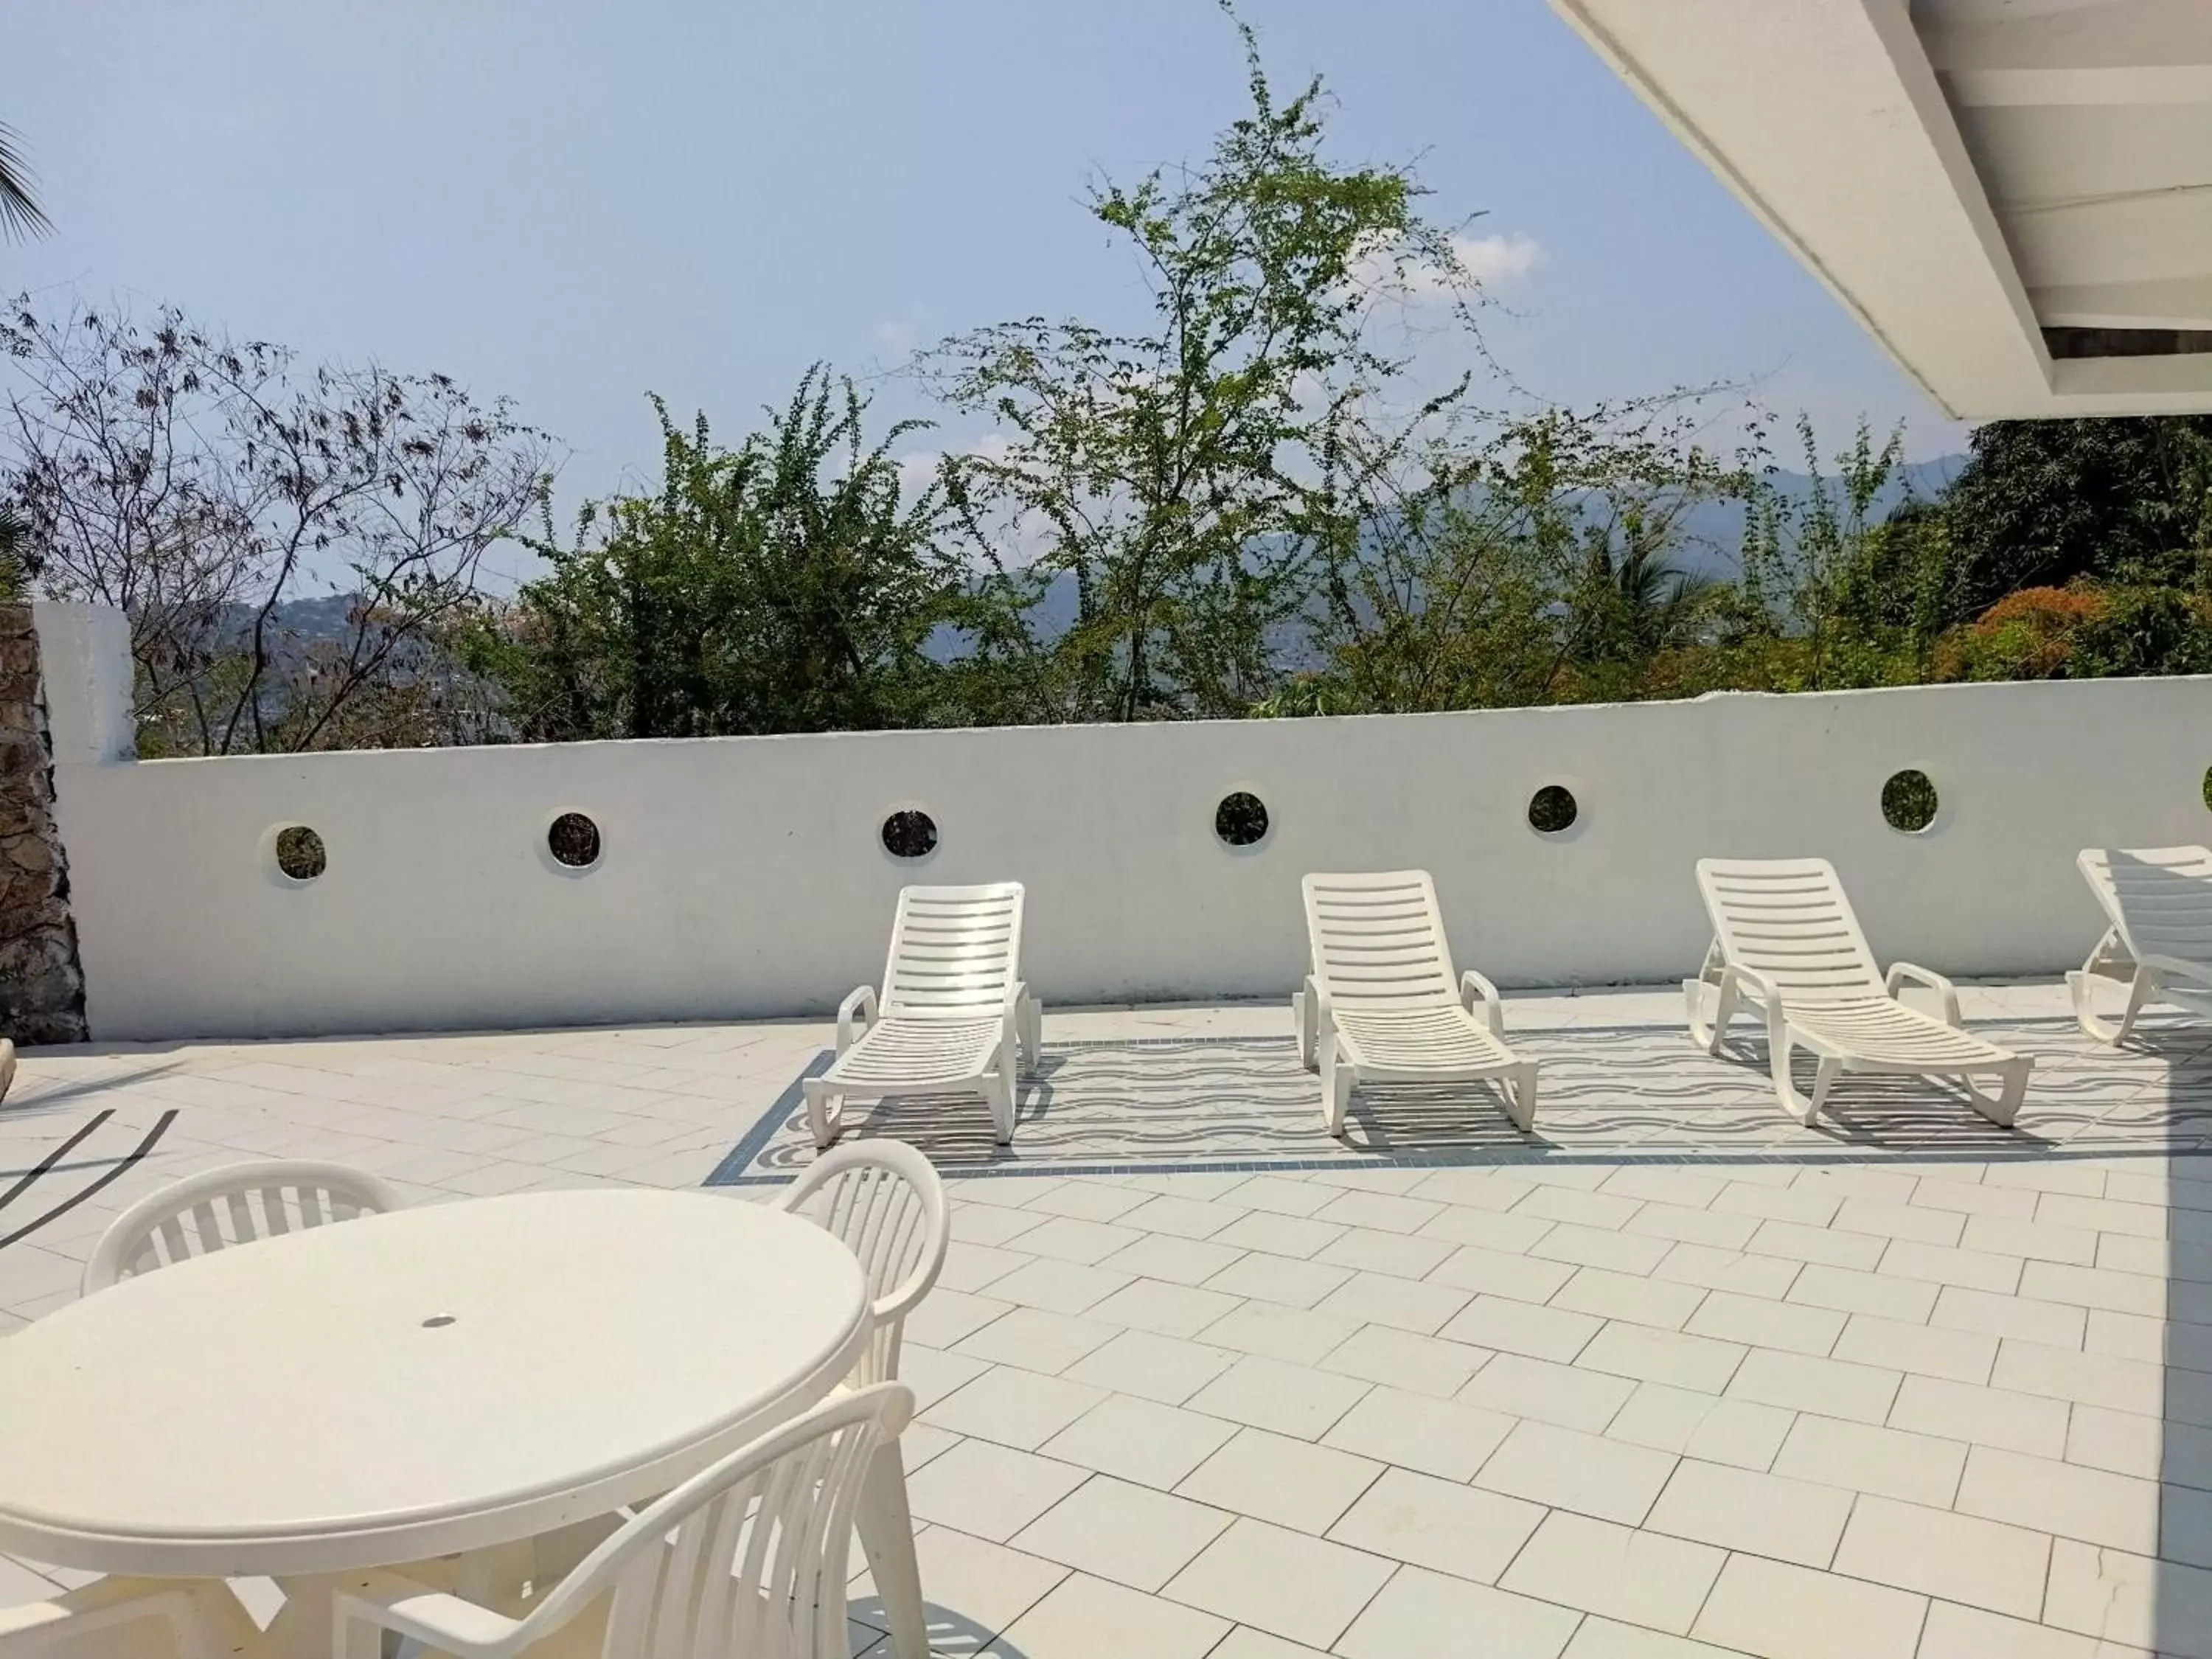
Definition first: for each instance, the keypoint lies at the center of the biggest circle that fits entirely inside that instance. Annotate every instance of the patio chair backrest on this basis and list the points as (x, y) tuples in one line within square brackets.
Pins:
[(1378, 941), (234, 1205), (955, 951), (748, 1557), (885, 1202), (2160, 900), (1787, 918)]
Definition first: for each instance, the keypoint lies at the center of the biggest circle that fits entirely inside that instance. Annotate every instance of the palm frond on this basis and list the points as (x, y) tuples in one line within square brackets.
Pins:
[(20, 212)]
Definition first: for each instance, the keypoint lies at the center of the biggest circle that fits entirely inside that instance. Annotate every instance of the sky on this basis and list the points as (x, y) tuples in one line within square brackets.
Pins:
[(571, 202)]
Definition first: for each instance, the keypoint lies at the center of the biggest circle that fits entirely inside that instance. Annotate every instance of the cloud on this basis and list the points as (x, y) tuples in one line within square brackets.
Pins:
[(1496, 260), (1491, 262)]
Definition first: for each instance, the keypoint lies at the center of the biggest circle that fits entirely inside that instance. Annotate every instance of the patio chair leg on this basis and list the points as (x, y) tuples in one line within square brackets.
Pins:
[(1520, 1097), (1305, 1018), (2012, 1089), (1336, 1081), (886, 1527), (1000, 1091), (2140, 988), (825, 1112)]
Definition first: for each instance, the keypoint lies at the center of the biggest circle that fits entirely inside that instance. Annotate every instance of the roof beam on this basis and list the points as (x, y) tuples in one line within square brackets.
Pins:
[(2183, 302), (2129, 51)]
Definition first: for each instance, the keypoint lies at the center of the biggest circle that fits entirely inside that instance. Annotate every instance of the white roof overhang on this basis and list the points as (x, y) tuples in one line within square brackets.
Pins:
[(2014, 197)]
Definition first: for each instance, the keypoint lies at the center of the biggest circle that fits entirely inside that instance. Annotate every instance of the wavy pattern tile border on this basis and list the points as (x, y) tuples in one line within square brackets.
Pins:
[(1218, 1103)]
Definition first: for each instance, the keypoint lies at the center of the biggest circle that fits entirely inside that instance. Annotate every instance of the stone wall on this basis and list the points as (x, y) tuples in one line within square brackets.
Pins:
[(41, 982)]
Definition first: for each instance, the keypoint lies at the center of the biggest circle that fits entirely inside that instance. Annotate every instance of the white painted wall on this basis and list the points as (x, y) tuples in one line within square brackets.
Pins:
[(745, 878)]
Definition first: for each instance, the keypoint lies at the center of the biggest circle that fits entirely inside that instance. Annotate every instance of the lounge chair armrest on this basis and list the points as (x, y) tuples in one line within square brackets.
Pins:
[(1751, 980), (1901, 971), (380, 1600), (1473, 985), (860, 1008)]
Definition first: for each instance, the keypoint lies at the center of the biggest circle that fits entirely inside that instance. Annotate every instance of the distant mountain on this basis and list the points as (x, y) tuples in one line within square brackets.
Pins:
[(1712, 534)]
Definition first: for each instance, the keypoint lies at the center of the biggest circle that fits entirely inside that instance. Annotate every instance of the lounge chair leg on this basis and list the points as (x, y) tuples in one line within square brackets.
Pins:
[(1825, 1070), (1001, 1092), (1520, 1097), (1335, 1087), (1824, 1079), (825, 1112), (1305, 1016), (1724, 1000), (2012, 1089), (1032, 1032), (2140, 988)]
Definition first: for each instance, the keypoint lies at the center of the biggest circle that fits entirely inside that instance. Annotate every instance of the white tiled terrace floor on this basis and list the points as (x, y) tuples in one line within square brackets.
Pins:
[(1796, 1406)]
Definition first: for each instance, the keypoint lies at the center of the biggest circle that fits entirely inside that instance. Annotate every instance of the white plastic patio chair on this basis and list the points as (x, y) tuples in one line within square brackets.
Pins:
[(954, 1019), (748, 1557), (2159, 900), (1382, 1005), (121, 1618), (885, 1199), (234, 1205), (1785, 940)]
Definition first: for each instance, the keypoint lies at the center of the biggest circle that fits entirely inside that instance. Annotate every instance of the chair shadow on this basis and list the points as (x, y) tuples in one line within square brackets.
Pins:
[(1918, 1113), (31, 1097), (952, 1634)]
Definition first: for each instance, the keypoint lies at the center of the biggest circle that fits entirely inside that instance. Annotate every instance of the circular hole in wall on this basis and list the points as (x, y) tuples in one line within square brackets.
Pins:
[(299, 852), (909, 833), (1909, 801), (1241, 820), (2208, 788), (573, 840), (1552, 809)]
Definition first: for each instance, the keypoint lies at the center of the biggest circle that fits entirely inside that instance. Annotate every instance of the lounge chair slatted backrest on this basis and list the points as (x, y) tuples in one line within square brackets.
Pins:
[(2159, 901), (955, 951), (1787, 920), (1378, 941)]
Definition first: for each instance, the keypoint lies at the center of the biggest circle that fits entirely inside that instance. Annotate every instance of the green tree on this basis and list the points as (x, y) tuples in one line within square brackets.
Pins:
[(2041, 502), (1811, 565), (791, 584), (1186, 476), (1542, 563)]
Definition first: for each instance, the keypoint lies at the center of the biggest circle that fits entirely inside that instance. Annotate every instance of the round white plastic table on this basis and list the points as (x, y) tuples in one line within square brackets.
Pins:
[(422, 1383)]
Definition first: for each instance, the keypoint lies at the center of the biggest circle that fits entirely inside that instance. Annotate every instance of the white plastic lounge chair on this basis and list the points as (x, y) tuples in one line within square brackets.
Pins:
[(1785, 940), (955, 1016), (2159, 943), (886, 1202), (1382, 1005), (234, 1205), (750, 1557)]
